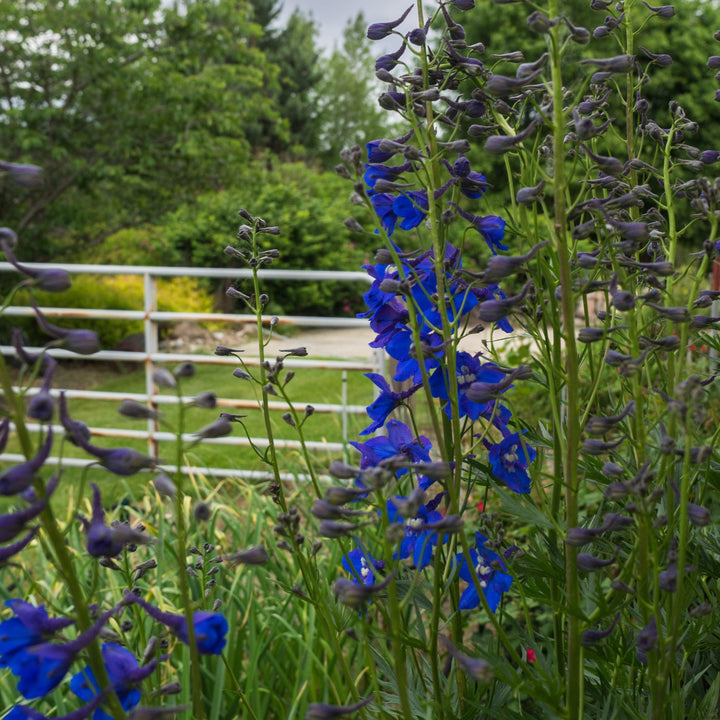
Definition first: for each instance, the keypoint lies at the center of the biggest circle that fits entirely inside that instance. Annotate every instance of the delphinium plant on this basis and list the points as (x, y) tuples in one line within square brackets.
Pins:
[(498, 564), (103, 618)]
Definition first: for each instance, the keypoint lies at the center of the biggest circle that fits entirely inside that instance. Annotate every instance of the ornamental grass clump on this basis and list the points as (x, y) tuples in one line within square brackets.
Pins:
[(517, 532)]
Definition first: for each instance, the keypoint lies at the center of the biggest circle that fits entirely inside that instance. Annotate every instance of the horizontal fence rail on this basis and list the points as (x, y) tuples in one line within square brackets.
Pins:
[(151, 357)]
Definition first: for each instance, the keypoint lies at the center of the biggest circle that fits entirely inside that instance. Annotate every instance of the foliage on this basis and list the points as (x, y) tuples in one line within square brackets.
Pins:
[(310, 208), (345, 97), (188, 81), (467, 562)]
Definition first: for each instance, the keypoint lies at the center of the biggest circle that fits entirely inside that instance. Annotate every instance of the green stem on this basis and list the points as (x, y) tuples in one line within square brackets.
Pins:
[(569, 477), (181, 558)]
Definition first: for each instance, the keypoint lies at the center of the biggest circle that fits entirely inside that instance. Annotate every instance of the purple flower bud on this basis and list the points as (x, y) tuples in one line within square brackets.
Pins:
[(12, 524), (336, 529), (580, 35), (647, 640), (708, 157), (342, 471), (52, 280), (83, 342), (699, 515), (589, 563), (378, 31), (389, 61), (42, 406), (464, 4), (602, 425), (662, 11), (342, 495), (164, 485), (617, 64), (133, 409), (530, 195), (616, 491), (206, 400), (216, 429), (500, 266), (591, 446), (539, 22), (479, 670), (184, 370), (120, 461), (163, 378), (502, 87), (355, 595), (594, 637), (577, 537), (495, 310), (252, 556), (501, 144), (18, 478), (609, 165), (675, 314), (23, 175)]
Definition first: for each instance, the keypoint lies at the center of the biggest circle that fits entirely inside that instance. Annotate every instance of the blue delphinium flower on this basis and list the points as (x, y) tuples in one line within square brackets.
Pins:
[(491, 227), (385, 403), (24, 712), (41, 666), (210, 628), (472, 184), (399, 441), (469, 370), (377, 171), (411, 208), (488, 567), (123, 673), (30, 626), (418, 542), (362, 566), (509, 460), (383, 203), (401, 347)]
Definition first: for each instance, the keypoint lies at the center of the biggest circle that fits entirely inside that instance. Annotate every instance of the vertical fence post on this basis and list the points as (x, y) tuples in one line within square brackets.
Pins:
[(344, 407), (151, 346)]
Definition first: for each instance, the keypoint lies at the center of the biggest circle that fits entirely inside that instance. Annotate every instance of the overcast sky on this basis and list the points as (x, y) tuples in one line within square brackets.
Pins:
[(332, 15)]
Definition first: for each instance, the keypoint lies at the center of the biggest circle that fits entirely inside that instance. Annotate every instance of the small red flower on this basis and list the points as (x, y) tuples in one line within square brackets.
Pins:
[(531, 655)]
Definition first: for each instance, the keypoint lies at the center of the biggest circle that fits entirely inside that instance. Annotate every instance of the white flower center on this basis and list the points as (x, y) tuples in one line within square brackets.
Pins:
[(364, 569), (511, 456), (466, 376)]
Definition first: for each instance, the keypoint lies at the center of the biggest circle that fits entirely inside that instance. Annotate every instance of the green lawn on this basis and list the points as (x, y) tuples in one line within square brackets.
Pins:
[(308, 386)]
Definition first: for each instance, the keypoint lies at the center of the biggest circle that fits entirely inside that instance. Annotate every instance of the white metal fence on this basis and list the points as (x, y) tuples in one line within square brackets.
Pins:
[(151, 356)]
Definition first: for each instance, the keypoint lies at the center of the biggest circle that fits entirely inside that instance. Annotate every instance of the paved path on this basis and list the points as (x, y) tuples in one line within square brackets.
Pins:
[(354, 342)]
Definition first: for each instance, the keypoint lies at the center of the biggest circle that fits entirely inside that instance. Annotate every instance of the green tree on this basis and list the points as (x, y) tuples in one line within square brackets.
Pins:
[(130, 107), (292, 52), (348, 111)]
